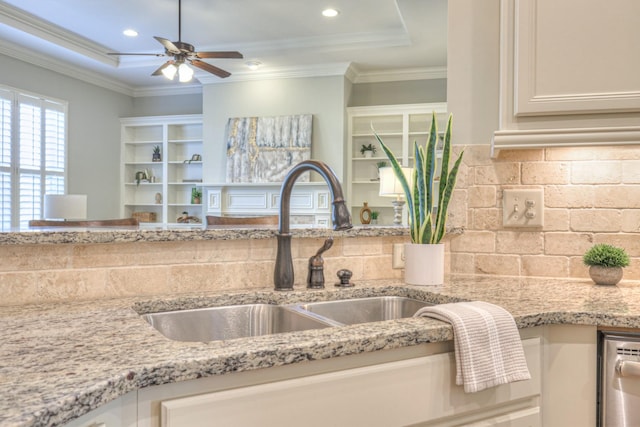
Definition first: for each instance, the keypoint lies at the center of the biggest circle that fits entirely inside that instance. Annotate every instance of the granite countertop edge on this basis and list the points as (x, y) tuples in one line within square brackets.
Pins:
[(62, 360)]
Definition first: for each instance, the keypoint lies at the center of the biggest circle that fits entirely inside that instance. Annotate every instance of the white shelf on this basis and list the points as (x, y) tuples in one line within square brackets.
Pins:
[(398, 126), (179, 138)]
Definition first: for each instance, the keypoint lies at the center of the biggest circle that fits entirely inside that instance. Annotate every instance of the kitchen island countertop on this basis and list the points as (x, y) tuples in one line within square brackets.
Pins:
[(60, 361)]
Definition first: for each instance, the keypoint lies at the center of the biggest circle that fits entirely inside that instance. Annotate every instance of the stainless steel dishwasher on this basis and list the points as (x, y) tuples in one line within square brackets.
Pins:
[(619, 403)]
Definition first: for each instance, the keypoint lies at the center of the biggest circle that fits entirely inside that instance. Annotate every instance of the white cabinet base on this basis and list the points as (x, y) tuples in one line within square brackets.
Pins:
[(408, 392)]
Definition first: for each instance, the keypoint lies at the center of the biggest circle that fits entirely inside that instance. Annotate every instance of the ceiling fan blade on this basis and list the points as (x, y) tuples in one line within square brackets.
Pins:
[(230, 54), (162, 67), (168, 45), (143, 54), (210, 68)]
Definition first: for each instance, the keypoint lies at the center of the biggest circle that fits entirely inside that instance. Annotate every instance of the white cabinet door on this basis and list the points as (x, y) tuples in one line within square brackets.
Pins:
[(415, 391)]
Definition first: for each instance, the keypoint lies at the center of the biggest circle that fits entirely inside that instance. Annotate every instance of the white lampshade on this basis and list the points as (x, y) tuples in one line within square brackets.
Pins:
[(389, 184), (65, 206)]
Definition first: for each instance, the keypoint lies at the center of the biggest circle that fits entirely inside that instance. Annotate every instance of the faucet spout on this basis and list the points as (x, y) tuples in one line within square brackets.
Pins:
[(283, 274)]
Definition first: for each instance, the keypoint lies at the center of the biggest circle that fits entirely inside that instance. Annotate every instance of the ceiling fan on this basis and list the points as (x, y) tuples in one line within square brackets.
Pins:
[(183, 54)]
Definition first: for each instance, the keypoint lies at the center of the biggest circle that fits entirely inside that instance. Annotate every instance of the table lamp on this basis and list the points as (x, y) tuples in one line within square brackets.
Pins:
[(65, 206), (391, 187)]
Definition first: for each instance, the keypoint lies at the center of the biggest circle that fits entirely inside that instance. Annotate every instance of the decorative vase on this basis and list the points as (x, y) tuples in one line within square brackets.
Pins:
[(365, 214), (368, 153), (156, 157), (605, 275), (423, 264)]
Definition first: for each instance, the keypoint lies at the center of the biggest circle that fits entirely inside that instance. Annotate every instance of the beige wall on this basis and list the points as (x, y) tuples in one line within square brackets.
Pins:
[(591, 195)]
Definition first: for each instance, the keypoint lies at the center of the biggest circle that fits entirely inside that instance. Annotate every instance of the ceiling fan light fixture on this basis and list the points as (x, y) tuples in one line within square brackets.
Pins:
[(185, 73), (170, 71)]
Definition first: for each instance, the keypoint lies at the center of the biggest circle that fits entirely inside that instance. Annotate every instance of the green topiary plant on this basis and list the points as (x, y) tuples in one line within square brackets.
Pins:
[(427, 227), (606, 256)]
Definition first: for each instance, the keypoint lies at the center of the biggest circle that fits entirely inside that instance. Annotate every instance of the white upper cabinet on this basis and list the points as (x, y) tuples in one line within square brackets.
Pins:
[(569, 73)]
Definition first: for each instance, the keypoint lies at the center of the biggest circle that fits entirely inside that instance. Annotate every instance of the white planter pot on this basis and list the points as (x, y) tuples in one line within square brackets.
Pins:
[(423, 264)]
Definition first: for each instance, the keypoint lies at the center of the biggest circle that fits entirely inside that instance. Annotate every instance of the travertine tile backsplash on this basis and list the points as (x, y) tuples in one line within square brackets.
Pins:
[(62, 272), (591, 195)]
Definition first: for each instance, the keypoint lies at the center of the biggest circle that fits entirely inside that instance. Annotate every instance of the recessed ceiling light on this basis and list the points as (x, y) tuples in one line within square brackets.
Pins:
[(130, 33), (253, 65), (330, 13)]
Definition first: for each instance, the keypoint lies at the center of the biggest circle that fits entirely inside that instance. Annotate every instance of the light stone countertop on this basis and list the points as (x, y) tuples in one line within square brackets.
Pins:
[(60, 361), (147, 233)]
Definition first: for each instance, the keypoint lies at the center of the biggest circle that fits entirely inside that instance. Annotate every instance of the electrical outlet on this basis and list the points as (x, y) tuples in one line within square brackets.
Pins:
[(523, 208), (397, 260)]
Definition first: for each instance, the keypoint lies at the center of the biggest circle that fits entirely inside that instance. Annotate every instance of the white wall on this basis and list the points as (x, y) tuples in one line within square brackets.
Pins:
[(400, 92), (167, 105), (94, 130), (324, 97)]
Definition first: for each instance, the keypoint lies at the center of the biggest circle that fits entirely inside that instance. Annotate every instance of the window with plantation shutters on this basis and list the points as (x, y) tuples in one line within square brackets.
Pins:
[(32, 154)]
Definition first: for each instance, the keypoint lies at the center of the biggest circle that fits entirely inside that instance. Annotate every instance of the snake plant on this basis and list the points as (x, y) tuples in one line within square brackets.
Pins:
[(427, 226)]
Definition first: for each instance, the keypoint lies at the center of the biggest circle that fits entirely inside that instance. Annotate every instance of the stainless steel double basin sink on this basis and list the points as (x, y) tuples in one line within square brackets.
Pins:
[(247, 320)]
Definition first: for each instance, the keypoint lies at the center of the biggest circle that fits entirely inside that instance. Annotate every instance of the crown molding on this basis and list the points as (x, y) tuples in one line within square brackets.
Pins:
[(316, 70), (406, 74), (37, 27), (168, 90)]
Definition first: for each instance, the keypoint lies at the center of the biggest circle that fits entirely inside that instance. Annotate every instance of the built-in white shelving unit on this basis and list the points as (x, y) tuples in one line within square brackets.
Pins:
[(168, 191), (398, 126)]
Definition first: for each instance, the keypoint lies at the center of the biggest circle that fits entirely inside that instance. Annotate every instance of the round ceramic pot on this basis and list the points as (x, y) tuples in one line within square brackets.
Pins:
[(423, 264), (605, 275)]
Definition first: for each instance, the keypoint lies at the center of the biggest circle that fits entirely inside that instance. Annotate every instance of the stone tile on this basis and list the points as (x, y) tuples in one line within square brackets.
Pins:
[(556, 219), (73, 284), (458, 212), (617, 196), (519, 242), (545, 173), (545, 266), (222, 250), (486, 219), (630, 221), (462, 263), (627, 152), (19, 288), (138, 253), (482, 196), (567, 243), (474, 241), (607, 172), (265, 249), (365, 246), (577, 268), (596, 220), (477, 155), (578, 196), (145, 280), (631, 172), (498, 173), (630, 242), (505, 265), (528, 155), (35, 257), (379, 267)]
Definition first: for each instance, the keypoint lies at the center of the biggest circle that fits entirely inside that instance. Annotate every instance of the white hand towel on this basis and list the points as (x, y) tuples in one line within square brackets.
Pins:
[(487, 344)]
